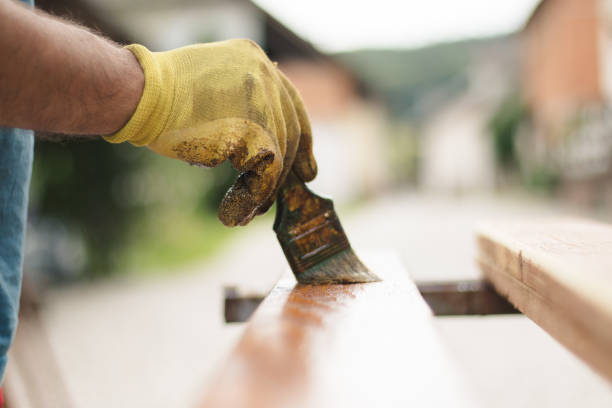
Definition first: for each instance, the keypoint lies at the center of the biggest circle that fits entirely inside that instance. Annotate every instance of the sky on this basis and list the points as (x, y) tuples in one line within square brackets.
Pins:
[(344, 25)]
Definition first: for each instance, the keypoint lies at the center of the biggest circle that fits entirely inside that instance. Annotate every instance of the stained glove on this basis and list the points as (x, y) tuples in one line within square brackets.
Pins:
[(208, 103)]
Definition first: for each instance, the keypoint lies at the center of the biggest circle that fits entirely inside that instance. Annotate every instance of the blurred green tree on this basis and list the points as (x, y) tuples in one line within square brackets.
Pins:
[(504, 126), (112, 198), (73, 183)]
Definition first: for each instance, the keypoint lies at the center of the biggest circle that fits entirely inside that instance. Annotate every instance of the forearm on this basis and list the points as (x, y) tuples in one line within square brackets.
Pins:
[(58, 77)]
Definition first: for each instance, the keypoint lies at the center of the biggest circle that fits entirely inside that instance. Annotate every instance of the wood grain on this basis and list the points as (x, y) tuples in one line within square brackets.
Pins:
[(559, 273), (360, 345)]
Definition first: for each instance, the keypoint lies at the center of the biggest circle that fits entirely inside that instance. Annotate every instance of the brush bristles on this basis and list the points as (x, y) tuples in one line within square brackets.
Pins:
[(343, 267)]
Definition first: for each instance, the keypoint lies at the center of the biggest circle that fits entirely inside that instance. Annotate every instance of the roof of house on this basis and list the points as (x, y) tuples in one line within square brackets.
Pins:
[(536, 12), (87, 14), (280, 41)]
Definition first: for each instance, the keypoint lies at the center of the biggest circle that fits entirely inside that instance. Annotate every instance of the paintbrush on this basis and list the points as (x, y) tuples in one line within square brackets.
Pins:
[(312, 238)]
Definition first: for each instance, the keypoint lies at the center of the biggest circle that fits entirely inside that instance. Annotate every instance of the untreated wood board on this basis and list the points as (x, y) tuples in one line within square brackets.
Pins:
[(362, 345), (559, 273)]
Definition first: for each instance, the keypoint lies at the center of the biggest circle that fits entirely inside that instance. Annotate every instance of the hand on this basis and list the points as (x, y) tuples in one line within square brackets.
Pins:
[(208, 103)]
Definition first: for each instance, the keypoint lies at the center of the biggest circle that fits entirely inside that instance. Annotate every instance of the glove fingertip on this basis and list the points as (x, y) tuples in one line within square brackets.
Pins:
[(306, 169), (238, 206), (266, 206), (249, 192)]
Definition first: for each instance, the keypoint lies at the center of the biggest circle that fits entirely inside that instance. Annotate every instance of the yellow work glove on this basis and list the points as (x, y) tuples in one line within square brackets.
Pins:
[(208, 103)]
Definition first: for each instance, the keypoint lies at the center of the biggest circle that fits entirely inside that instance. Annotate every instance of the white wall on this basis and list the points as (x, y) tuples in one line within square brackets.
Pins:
[(457, 153), (163, 29), (605, 48), (351, 152)]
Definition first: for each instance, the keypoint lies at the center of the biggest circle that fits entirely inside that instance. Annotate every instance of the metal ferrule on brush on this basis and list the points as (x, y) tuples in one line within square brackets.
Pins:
[(314, 241), (312, 238)]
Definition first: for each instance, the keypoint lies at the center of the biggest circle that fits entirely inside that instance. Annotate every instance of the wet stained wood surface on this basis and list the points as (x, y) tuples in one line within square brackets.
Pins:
[(558, 273), (444, 298), (361, 345)]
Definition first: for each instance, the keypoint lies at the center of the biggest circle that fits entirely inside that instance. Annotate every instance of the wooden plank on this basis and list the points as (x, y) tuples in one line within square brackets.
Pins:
[(459, 298), (365, 345), (447, 298), (239, 305), (559, 273)]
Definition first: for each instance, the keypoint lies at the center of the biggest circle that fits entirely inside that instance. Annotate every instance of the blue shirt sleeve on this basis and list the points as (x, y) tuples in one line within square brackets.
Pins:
[(16, 153)]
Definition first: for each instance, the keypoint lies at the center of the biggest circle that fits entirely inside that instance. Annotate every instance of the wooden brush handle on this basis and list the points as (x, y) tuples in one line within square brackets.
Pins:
[(292, 181), (297, 205)]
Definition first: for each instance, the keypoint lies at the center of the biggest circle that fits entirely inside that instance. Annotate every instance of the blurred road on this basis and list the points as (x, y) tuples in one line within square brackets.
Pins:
[(155, 342)]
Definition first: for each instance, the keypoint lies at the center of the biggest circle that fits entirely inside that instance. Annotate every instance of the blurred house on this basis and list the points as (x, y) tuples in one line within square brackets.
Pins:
[(457, 153), (348, 124), (567, 86), (564, 59)]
